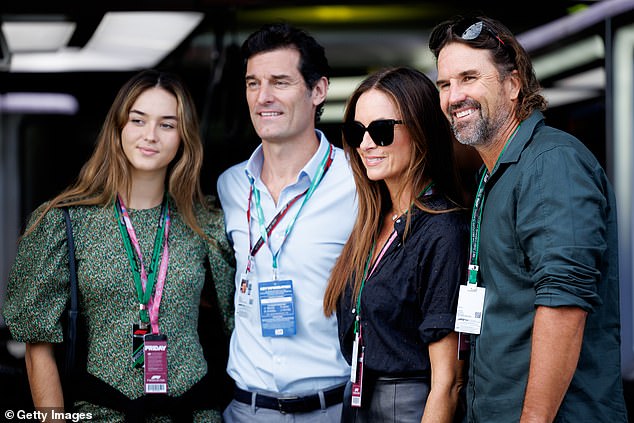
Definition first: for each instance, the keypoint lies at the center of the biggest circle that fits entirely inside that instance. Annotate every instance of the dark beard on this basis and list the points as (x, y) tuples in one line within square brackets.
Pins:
[(478, 133), (472, 133)]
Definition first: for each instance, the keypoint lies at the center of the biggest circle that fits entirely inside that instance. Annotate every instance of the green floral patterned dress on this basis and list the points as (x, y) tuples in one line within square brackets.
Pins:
[(38, 290)]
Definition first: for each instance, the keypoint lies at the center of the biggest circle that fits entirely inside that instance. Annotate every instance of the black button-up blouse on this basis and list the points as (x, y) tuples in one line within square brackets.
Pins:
[(410, 299)]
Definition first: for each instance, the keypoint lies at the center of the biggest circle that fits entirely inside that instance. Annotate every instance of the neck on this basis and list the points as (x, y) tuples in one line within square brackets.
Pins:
[(282, 163), (401, 201), (491, 152), (145, 193)]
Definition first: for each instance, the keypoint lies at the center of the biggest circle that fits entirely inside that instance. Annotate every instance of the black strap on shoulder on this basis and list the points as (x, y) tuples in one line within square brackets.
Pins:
[(73, 311)]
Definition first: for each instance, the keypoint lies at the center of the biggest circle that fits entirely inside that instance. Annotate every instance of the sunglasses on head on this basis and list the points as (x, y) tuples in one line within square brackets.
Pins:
[(468, 29), (474, 30), (381, 131)]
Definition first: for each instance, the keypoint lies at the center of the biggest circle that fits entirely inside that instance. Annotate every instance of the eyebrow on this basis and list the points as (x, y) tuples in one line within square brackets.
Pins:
[(139, 112), (274, 77), (461, 75)]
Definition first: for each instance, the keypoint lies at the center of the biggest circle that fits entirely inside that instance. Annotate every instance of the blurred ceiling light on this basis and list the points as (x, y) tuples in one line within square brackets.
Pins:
[(341, 87), (561, 96), (576, 88), (569, 57), (590, 79), (123, 41), (45, 103), (333, 112), (149, 34), (37, 36)]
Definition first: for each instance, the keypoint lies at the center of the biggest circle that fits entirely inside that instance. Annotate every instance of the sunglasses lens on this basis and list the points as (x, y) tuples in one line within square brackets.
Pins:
[(473, 31), (353, 133), (382, 132)]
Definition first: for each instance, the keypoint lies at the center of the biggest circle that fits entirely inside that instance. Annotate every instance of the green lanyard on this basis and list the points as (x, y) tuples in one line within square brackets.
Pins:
[(365, 275), (476, 218), (140, 275)]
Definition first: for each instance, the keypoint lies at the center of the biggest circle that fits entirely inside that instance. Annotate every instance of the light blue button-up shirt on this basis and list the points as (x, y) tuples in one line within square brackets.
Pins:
[(311, 359)]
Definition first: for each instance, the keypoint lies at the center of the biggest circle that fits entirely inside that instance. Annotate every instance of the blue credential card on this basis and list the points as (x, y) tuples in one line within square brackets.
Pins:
[(277, 310)]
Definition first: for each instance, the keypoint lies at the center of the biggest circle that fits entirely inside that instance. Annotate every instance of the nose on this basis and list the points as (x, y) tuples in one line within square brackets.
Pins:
[(264, 93), (455, 94), (150, 133), (367, 142)]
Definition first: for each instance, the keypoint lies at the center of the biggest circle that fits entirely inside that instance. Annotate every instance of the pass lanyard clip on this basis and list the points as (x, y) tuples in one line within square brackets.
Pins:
[(151, 279), (265, 231)]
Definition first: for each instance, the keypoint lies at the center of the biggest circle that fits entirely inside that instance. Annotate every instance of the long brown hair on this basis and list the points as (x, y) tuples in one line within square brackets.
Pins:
[(417, 99), (108, 170)]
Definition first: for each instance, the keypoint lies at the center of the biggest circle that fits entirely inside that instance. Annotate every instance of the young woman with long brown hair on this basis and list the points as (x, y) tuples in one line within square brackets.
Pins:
[(143, 231)]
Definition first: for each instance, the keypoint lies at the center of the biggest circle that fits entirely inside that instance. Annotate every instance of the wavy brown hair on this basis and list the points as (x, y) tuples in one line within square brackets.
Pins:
[(432, 158), (108, 170)]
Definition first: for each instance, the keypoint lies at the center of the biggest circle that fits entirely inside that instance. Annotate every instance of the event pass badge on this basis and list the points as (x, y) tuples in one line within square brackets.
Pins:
[(277, 309), (155, 369), (470, 308)]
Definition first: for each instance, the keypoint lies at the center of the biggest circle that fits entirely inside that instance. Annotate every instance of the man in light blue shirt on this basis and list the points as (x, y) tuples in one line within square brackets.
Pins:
[(288, 211)]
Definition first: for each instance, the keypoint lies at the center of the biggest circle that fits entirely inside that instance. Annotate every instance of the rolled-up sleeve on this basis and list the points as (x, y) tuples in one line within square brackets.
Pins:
[(562, 228)]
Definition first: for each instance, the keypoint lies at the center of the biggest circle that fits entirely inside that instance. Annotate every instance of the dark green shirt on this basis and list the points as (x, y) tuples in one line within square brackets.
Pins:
[(548, 238)]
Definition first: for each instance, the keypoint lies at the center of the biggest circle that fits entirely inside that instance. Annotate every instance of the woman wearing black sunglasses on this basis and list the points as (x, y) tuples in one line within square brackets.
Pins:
[(395, 285)]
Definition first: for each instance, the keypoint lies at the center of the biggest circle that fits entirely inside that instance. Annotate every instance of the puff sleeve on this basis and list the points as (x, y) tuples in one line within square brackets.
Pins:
[(38, 287)]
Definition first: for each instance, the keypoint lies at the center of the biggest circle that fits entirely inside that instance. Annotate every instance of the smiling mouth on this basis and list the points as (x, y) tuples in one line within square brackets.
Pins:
[(374, 160), (464, 113), (270, 114)]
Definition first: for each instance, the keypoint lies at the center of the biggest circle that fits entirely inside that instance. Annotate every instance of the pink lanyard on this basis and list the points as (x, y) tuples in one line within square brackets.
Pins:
[(382, 253), (154, 301)]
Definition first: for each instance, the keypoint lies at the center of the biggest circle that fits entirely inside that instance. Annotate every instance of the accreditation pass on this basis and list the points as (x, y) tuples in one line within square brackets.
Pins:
[(470, 308)]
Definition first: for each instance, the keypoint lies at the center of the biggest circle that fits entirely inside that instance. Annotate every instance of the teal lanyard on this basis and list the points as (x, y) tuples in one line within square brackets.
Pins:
[(476, 218), (323, 168)]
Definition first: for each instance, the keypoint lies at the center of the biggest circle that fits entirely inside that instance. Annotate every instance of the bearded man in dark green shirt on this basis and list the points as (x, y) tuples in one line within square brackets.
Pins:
[(543, 245)]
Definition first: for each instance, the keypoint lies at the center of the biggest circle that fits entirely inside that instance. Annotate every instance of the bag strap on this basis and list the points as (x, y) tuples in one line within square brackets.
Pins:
[(71, 335)]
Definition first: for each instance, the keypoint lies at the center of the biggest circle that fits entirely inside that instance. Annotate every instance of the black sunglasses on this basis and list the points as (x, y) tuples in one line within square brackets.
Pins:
[(381, 131)]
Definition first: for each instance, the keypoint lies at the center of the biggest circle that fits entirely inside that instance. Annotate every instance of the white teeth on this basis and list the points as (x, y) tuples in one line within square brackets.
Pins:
[(464, 113), (269, 114), (374, 159)]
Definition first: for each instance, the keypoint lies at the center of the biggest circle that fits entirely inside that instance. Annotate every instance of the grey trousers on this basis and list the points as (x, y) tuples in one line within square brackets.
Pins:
[(392, 401)]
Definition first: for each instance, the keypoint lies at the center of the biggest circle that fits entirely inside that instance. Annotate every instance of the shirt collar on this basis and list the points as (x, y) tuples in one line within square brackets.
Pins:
[(253, 167), (519, 142), (522, 137)]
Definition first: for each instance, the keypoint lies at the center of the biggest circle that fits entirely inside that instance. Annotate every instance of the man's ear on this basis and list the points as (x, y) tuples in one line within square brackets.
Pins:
[(320, 90), (516, 85)]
